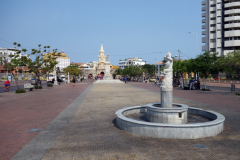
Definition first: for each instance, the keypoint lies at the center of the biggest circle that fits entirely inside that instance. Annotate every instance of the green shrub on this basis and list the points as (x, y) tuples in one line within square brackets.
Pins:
[(237, 93), (38, 87), (203, 89), (49, 84), (20, 91)]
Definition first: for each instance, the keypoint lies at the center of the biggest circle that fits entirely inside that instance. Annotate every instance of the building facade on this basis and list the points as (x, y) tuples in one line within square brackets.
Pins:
[(221, 26), (6, 52), (62, 59), (131, 61)]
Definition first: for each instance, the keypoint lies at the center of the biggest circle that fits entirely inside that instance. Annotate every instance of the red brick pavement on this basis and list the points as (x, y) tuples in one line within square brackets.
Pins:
[(36, 109), (215, 98)]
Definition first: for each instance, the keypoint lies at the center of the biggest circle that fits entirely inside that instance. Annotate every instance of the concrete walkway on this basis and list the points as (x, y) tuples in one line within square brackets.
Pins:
[(85, 127)]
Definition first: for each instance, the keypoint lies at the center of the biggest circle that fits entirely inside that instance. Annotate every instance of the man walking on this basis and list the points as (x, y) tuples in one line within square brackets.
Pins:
[(125, 79)]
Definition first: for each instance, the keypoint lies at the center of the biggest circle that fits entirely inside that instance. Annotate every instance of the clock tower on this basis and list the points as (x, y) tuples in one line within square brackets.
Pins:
[(101, 56)]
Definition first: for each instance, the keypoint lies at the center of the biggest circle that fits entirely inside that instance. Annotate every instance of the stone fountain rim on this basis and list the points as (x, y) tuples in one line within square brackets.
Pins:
[(220, 119), (182, 108)]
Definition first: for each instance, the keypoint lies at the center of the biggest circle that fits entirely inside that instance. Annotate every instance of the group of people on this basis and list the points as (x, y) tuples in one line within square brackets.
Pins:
[(194, 83)]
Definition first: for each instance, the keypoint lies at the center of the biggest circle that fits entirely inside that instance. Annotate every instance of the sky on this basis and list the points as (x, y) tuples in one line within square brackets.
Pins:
[(147, 29)]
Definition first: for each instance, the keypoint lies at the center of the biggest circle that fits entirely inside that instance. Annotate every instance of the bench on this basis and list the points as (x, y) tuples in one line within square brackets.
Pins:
[(28, 86)]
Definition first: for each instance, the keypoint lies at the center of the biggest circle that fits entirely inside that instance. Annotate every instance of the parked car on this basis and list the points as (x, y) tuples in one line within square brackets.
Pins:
[(63, 77), (35, 81), (153, 79)]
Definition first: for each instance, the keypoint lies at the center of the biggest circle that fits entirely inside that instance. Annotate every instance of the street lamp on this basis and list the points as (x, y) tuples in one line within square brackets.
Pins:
[(196, 45), (196, 40)]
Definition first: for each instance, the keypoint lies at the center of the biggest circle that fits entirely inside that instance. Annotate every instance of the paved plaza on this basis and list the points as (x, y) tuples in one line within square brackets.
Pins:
[(78, 122)]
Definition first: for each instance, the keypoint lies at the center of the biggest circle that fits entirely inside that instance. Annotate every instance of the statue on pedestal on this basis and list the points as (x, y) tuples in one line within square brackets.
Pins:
[(168, 73)]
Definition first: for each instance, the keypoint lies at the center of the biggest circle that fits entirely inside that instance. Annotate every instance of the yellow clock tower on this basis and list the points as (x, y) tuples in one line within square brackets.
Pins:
[(101, 56)]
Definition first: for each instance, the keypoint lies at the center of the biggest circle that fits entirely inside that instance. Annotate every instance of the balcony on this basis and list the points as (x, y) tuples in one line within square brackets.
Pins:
[(203, 48), (203, 20), (203, 39), (212, 28), (212, 8), (212, 36), (233, 4), (232, 43), (203, 26), (232, 25), (232, 11), (203, 32), (203, 8), (233, 33), (212, 15), (233, 18), (203, 14), (212, 45), (213, 22), (227, 51), (203, 2)]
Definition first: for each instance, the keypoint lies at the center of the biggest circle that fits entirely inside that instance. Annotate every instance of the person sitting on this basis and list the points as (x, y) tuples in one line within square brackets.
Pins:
[(190, 83)]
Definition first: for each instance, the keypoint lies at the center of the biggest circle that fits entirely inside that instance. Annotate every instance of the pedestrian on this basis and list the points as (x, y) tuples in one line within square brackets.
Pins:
[(125, 79), (74, 80), (198, 83)]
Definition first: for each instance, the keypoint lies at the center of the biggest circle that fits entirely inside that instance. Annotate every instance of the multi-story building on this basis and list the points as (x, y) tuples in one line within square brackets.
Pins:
[(131, 61), (6, 52), (62, 59), (221, 26)]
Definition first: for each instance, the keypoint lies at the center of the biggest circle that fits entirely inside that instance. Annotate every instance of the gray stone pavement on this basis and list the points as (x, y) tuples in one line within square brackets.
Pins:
[(86, 130)]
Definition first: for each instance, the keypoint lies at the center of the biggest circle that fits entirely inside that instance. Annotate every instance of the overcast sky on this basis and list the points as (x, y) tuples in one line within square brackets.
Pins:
[(127, 28)]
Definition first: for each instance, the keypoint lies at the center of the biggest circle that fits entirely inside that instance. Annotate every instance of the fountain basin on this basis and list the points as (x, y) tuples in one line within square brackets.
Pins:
[(171, 131), (175, 115)]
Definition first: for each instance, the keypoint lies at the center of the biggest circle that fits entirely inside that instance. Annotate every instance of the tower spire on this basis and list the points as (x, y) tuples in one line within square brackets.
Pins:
[(101, 49)]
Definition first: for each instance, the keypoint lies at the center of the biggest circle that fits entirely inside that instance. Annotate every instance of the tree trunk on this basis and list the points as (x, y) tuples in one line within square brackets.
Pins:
[(182, 81), (15, 80), (205, 83)]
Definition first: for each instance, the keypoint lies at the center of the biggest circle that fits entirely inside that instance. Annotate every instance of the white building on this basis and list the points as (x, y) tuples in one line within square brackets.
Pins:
[(131, 61), (6, 52), (221, 26)]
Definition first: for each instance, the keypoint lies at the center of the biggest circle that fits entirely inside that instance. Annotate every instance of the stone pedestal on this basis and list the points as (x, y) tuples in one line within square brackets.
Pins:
[(166, 99), (107, 75), (176, 114)]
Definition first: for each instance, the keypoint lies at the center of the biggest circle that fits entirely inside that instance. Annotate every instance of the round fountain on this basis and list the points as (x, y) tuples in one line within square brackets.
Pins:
[(167, 119)]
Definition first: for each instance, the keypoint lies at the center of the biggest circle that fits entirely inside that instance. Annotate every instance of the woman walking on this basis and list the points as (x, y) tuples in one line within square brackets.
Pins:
[(74, 80)]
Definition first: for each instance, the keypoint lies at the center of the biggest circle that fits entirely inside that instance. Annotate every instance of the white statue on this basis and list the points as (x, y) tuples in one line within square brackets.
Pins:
[(108, 57), (168, 73)]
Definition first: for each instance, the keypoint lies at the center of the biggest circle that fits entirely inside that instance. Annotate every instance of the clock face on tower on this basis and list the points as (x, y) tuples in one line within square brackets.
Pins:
[(101, 59)]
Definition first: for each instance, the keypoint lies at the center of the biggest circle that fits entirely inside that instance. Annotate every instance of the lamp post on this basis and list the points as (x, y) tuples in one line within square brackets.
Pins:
[(196, 40), (196, 45)]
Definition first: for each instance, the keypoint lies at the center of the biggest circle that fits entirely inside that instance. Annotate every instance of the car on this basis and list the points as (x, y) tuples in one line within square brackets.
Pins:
[(153, 79), (35, 81)]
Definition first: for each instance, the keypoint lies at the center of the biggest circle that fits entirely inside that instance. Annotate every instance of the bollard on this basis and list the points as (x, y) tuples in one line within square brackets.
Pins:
[(232, 88), (219, 81), (214, 81), (238, 81), (225, 81), (231, 81)]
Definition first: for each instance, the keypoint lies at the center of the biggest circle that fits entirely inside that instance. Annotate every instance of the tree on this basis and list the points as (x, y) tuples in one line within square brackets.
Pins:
[(73, 70), (205, 64), (15, 62), (42, 62), (231, 63), (117, 72), (180, 67), (149, 69)]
